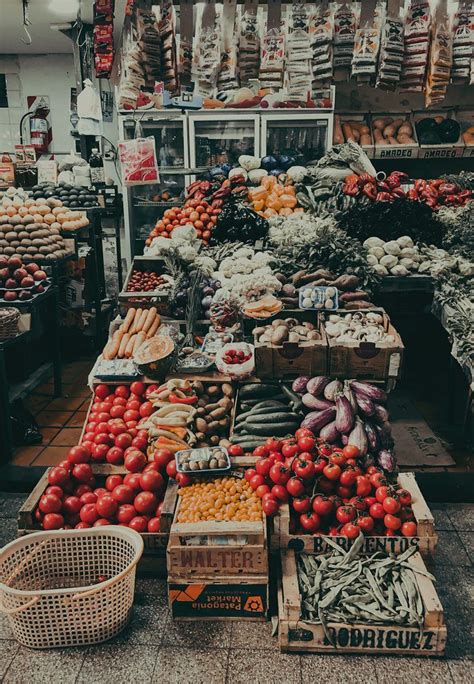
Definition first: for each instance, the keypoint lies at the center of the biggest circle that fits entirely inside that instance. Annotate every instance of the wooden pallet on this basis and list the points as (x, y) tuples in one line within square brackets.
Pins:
[(227, 597), (207, 549), (295, 634), (425, 542), (153, 561)]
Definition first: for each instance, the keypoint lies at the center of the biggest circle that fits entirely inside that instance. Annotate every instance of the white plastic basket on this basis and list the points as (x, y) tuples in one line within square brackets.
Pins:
[(51, 588)]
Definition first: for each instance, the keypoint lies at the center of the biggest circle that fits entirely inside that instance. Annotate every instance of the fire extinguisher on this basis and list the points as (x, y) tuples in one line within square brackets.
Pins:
[(39, 127)]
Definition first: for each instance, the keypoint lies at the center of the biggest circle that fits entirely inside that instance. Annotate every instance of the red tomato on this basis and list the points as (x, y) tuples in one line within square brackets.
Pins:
[(332, 471), (363, 486), (377, 479), (301, 504), (124, 440), (322, 505), (101, 391), (162, 457), (348, 477), (113, 481), (58, 476), (145, 503), (153, 525), (320, 464), (72, 505), (273, 444), (171, 469), (88, 497), (122, 391), (280, 492), (235, 450), (78, 454), (256, 481), (87, 444), (381, 493), (279, 474), (337, 458), (304, 469), (135, 461), (138, 523), (55, 491), (263, 465), (146, 409), (261, 450), (345, 514), (131, 415), (82, 472), (151, 481), (350, 530), (100, 491), (409, 529), (140, 443), (150, 389), (89, 513), (114, 456), (123, 494), (138, 388), (119, 401), (295, 486), (101, 522), (391, 522), (49, 503), (350, 451), (310, 521), (89, 436), (369, 500), (404, 497), (262, 490), (102, 438), (103, 417), (366, 523), (270, 507), (53, 521), (106, 506), (303, 432), (82, 489), (249, 473), (289, 449), (133, 481), (99, 452), (117, 411), (391, 505), (116, 427), (125, 513), (343, 492), (183, 479), (358, 503), (377, 511), (306, 443)]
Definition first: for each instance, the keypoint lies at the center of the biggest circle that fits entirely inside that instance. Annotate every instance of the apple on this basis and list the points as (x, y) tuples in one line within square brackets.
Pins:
[(15, 262), (27, 281), (32, 268), (39, 288), (3, 261), (19, 274), (10, 296), (11, 284), (4, 273), (39, 275)]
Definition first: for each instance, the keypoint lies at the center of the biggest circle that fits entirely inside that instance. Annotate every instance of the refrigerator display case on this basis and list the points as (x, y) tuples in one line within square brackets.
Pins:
[(144, 204), (304, 134), (219, 137)]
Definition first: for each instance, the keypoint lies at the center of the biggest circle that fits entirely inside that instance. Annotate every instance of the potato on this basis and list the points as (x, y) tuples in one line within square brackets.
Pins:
[(280, 334), (201, 425)]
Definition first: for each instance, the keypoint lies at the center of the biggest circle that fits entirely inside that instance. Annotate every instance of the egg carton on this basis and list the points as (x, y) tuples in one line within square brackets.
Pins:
[(319, 298)]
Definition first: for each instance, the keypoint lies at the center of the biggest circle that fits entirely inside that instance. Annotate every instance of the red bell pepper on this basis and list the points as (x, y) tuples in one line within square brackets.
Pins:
[(192, 399)]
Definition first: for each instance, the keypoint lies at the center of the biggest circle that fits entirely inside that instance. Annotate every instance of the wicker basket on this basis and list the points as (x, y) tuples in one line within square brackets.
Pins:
[(9, 318), (69, 587)]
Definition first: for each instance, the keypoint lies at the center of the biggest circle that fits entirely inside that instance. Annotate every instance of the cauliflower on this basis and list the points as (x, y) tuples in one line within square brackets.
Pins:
[(206, 264)]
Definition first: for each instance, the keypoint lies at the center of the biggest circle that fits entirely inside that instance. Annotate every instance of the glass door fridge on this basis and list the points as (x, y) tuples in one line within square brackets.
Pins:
[(145, 204), (305, 135)]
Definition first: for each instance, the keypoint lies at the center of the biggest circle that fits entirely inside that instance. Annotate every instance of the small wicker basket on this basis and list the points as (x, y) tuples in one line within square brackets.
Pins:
[(9, 318)]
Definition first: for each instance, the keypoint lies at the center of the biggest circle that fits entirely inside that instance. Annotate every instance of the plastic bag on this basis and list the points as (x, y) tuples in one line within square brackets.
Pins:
[(138, 161), (236, 371)]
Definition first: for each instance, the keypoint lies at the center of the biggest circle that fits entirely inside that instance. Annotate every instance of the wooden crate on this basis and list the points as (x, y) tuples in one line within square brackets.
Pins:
[(443, 150), (295, 634), (399, 151), (425, 542), (153, 560), (366, 361), (291, 359), (207, 549), (145, 300), (222, 598)]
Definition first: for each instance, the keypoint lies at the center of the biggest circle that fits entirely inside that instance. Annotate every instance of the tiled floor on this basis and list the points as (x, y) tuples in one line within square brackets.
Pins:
[(156, 649), (60, 419)]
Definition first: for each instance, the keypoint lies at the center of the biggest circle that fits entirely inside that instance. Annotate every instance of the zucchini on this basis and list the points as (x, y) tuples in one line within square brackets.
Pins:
[(272, 418), (262, 412), (254, 390), (294, 398), (272, 430), (237, 439)]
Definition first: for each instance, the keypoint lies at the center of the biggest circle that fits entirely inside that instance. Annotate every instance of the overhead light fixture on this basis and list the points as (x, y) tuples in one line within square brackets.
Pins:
[(64, 6)]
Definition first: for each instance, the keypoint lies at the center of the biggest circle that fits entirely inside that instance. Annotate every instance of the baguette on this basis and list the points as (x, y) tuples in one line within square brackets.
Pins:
[(149, 319), (128, 320), (123, 345)]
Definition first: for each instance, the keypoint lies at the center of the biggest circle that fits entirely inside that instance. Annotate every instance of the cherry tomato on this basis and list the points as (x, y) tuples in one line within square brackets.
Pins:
[(366, 523), (301, 504), (303, 432), (135, 461), (55, 490), (391, 522), (106, 506), (295, 486), (369, 500), (53, 521), (404, 497), (58, 476), (409, 529), (235, 450), (270, 507), (377, 511), (125, 513), (332, 471), (345, 514), (113, 481), (290, 449), (320, 464), (304, 469), (381, 493), (350, 451), (363, 486), (358, 503), (123, 494), (310, 521), (78, 454), (348, 477), (391, 505), (280, 492), (350, 530), (82, 472), (377, 479), (337, 458), (322, 505), (151, 481), (89, 513)]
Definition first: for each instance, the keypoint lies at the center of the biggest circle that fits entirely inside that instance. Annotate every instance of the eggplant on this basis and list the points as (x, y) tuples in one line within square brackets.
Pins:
[(380, 413), (349, 394), (299, 385), (330, 433), (385, 438), (365, 406), (316, 385), (372, 436), (358, 437), (332, 390), (386, 460), (344, 414), (345, 439), (316, 420), (314, 403), (364, 389)]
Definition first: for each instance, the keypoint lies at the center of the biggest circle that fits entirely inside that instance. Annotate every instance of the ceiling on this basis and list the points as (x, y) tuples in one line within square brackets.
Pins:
[(42, 13)]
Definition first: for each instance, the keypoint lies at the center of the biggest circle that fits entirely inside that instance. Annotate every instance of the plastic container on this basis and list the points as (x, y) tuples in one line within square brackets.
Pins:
[(51, 588), (236, 371), (204, 454), (320, 298)]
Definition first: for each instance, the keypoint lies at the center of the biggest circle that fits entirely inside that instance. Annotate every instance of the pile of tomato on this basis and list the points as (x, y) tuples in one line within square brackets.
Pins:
[(198, 213), (73, 499), (328, 489), (113, 425)]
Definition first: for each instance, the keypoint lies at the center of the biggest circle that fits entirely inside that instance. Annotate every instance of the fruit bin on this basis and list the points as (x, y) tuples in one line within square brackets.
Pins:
[(153, 560), (298, 635), (144, 299), (425, 542)]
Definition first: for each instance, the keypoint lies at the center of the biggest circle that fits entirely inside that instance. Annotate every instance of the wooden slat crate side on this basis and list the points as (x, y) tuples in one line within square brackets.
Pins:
[(296, 635), (425, 541), (169, 506), (26, 513)]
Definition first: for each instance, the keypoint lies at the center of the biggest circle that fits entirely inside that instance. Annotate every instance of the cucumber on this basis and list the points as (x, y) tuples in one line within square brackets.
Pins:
[(267, 418), (272, 430), (262, 412), (254, 390), (237, 439)]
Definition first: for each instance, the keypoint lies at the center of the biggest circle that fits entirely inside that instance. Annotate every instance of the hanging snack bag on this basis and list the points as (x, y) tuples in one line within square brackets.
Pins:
[(138, 161), (417, 43), (322, 34), (463, 43), (249, 44), (441, 58)]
